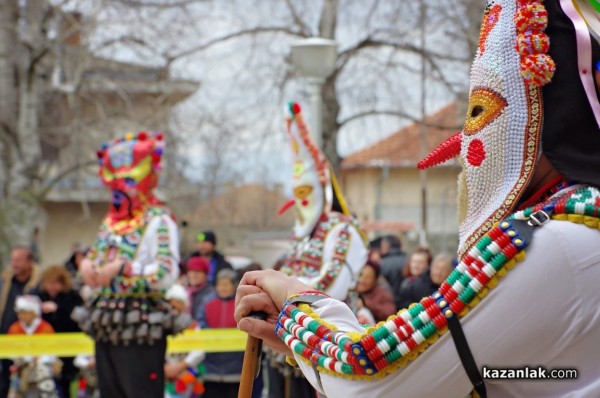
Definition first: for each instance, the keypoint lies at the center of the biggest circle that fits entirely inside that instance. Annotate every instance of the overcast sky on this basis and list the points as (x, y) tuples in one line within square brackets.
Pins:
[(240, 79)]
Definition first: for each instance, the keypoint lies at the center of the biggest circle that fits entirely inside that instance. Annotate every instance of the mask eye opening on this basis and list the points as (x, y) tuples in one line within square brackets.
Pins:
[(477, 110)]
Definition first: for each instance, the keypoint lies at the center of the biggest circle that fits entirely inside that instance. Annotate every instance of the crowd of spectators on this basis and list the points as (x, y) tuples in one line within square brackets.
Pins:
[(33, 300)]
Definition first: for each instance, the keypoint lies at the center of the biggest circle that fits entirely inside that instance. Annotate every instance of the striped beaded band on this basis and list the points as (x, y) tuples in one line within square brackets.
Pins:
[(391, 344)]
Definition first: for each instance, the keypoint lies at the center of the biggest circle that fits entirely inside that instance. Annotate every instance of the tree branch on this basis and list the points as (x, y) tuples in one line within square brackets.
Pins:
[(233, 35), (56, 179), (395, 113), (375, 43), (304, 30), (156, 4)]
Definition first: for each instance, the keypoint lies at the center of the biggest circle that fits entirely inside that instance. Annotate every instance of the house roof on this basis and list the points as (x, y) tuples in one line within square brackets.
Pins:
[(402, 148)]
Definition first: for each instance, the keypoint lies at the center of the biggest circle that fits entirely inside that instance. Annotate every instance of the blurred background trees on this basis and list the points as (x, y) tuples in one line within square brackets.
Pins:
[(213, 74)]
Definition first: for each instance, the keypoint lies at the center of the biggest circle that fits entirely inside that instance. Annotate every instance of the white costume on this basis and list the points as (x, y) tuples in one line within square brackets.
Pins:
[(554, 329), (328, 247), (525, 288)]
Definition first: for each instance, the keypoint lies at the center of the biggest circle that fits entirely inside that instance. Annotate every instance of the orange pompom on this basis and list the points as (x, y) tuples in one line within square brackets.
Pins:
[(198, 388), (187, 377)]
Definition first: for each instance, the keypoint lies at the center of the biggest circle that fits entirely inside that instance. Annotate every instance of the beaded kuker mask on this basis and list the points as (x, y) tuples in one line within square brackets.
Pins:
[(516, 108), (128, 166), (313, 183)]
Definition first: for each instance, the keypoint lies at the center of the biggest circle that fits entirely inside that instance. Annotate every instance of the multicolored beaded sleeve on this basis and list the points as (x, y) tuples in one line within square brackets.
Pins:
[(381, 349)]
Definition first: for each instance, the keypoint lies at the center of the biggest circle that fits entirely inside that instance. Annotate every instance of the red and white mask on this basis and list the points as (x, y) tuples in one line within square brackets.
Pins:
[(511, 104), (311, 181), (128, 166)]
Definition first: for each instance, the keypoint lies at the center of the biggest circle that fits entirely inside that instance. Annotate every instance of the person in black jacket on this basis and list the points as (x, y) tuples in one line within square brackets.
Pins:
[(393, 260), (429, 281), (58, 301), (207, 241)]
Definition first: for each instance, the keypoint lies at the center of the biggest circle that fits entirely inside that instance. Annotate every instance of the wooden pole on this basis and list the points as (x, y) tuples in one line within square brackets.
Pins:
[(251, 364)]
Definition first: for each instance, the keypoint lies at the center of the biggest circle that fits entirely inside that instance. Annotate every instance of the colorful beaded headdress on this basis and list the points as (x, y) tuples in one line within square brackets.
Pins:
[(532, 89), (128, 166), (313, 182)]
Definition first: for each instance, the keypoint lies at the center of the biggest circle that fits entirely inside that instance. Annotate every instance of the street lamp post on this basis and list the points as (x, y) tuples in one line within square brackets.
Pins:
[(315, 59)]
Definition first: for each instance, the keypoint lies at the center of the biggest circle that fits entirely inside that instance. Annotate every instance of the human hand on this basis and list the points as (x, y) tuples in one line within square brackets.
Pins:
[(264, 291), (109, 271), (277, 285), (173, 370), (49, 306)]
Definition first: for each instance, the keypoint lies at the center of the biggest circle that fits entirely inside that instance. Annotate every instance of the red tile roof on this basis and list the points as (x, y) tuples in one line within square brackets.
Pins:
[(402, 148)]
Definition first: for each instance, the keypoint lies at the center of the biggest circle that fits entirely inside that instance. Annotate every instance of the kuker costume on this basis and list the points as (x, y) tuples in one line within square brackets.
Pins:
[(533, 91)]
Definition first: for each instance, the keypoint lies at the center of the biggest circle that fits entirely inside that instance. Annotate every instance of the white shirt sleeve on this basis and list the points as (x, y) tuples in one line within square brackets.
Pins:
[(148, 262), (543, 312)]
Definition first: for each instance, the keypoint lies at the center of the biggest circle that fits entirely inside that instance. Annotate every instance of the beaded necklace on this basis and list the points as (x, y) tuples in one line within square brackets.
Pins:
[(391, 344), (126, 246)]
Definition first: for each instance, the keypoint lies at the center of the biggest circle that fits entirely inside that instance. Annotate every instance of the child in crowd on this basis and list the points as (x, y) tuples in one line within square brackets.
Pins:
[(88, 376), (183, 371), (374, 296), (32, 377), (223, 369)]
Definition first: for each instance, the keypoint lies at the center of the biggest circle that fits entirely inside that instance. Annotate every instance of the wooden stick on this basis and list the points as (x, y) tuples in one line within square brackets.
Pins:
[(251, 364)]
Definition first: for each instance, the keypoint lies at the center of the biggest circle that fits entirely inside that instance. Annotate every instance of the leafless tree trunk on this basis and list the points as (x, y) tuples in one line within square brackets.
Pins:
[(20, 83)]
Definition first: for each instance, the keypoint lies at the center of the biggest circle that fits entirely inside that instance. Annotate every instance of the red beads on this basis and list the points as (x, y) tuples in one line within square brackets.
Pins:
[(457, 306), (368, 342), (296, 108)]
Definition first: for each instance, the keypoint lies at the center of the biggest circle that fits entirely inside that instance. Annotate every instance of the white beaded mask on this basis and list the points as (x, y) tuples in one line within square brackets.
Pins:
[(311, 181), (499, 144)]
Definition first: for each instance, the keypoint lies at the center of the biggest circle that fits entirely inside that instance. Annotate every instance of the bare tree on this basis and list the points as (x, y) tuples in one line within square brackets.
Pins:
[(51, 99), (239, 49), (377, 63), (24, 45)]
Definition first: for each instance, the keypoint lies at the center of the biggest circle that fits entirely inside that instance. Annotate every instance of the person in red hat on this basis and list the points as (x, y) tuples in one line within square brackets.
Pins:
[(199, 289)]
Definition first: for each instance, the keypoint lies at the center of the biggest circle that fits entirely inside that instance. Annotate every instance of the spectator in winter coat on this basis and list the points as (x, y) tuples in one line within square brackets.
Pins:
[(183, 370), (20, 278), (58, 301), (392, 263), (223, 370), (74, 262), (207, 242), (430, 281), (375, 297), (199, 290), (417, 265)]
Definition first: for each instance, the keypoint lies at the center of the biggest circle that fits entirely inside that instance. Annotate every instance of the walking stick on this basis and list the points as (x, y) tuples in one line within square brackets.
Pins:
[(251, 364)]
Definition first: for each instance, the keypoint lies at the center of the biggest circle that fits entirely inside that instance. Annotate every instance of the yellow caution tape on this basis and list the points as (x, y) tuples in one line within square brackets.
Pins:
[(72, 344)]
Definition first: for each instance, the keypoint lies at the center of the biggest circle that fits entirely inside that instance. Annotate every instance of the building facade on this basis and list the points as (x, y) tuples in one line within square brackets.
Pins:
[(383, 185)]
